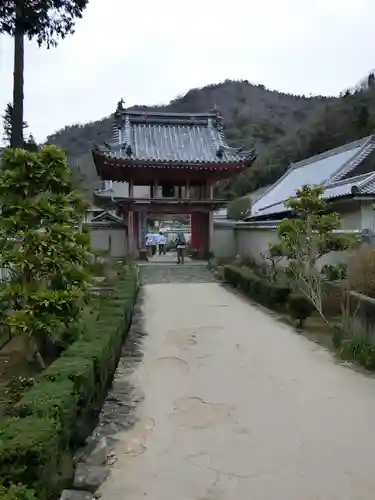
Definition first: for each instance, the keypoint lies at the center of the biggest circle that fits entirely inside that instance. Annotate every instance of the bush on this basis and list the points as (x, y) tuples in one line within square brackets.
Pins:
[(337, 336), (358, 350), (260, 289), (59, 412), (16, 492), (52, 400), (30, 451), (80, 372), (239, 208), (300, 308)]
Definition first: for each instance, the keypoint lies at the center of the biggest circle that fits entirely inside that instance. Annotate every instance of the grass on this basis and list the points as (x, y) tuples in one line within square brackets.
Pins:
[(316, 329)]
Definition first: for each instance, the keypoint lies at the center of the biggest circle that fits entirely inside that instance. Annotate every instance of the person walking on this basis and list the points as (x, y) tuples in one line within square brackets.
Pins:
[(161, 242), (180, 246), (149, 239), (154, 243)]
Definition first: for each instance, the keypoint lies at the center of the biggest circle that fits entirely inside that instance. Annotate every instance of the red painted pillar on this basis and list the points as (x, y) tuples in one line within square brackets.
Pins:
[(136, 230), (131, 233), (195, 231), (205, 236)]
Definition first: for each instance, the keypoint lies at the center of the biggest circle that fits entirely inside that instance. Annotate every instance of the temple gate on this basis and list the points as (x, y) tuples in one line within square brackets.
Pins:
[(178, 157)]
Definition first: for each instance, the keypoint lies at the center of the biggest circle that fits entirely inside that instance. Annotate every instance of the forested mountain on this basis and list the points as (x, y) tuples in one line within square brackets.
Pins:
[(282, 127)]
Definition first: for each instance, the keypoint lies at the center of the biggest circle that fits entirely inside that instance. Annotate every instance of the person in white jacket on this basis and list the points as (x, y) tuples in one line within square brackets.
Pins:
[(149, 243), (161, 243)]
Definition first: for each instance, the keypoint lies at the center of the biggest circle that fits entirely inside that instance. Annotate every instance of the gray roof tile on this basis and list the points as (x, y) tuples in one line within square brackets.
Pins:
[(173, 138), (364, 184), (323, 169)]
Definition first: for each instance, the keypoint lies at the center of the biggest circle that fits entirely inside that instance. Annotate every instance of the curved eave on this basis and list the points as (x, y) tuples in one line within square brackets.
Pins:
[(102, 160)]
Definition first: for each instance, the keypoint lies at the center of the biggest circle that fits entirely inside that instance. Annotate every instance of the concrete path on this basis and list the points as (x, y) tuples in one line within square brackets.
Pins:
[(239, 407)]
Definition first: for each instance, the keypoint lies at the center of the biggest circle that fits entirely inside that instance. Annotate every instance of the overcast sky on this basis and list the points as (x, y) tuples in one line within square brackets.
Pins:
[(148, 52)]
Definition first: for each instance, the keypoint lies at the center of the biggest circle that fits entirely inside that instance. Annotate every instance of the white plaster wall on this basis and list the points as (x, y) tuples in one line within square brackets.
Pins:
[(368, 215), (121, 189), (351, 219), (224, 240), (253, 242), (356, 214), (248, 241), (112, 240)]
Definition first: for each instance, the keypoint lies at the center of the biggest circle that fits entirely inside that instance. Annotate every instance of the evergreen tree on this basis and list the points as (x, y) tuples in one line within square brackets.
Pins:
[(46, 254), (43, 20)]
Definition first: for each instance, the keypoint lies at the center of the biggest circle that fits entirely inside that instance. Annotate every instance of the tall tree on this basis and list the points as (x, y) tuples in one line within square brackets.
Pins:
[(43, 20)]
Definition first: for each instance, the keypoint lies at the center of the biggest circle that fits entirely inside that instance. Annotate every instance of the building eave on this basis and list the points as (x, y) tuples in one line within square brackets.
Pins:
[(99, 156), (367, 147), (143, 172)]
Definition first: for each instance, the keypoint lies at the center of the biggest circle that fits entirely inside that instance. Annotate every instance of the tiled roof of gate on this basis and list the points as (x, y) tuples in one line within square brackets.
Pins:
[(173, 138), (324, 169)]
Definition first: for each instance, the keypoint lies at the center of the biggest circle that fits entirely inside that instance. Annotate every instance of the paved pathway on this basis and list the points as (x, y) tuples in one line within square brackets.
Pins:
[(237, 406), (164, 269)]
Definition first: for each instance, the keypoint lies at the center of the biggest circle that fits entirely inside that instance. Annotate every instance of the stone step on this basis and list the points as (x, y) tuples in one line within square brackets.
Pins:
[(175, 273)]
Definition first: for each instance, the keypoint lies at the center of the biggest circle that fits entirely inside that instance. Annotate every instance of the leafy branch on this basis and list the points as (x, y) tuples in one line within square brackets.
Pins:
[(305, 239), (45, 253)]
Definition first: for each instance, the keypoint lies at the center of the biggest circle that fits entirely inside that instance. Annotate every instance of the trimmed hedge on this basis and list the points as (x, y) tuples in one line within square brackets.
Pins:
[(300, 308), (16, 492), (30, 451), (263, 291), (59, 412), (52, 400)]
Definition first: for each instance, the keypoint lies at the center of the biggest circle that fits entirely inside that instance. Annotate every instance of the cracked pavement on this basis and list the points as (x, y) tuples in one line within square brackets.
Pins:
[(234, 405)]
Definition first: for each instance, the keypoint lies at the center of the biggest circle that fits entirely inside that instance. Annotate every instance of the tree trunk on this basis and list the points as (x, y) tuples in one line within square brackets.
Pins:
[(17, 118)]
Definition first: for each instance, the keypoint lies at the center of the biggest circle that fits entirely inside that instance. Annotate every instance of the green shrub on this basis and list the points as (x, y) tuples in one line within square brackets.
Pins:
[(300, 308), (260, 289), (52, 400), (58, 413), (30, 454), (16, 492), (361, 351), (80, 372), (100, 351), (279, 294), (337, 336)]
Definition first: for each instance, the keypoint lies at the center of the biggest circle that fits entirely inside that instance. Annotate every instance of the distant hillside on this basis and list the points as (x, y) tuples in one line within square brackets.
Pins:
[(253, 116)]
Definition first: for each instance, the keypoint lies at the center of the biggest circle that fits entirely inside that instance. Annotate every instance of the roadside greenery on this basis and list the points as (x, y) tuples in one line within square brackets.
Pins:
[(305, 239), (58, 413), (239, 208), (46, 255)]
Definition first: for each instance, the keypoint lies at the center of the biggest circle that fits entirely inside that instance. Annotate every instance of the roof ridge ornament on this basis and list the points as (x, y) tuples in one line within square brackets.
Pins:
[(120, 105), (220, 151), (219, 125)]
